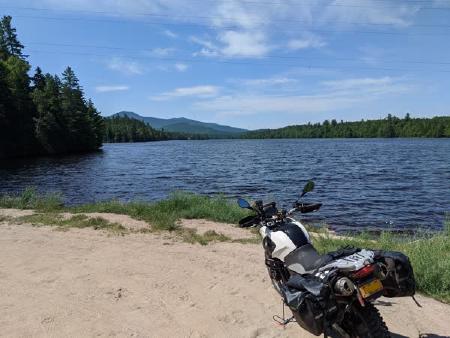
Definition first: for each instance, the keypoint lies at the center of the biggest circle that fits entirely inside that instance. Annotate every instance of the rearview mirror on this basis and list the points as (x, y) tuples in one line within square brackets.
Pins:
[(243, 203), (309, 186)]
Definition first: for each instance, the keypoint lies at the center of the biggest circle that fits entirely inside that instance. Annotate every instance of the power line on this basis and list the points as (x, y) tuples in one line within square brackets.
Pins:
[(236, 62), (159, 15), (262, 57), (382, 3), (235, 27), (337, 4)]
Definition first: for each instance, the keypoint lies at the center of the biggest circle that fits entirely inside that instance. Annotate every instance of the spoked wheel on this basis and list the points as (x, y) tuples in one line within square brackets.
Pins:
[(365, 322), (275, 283)]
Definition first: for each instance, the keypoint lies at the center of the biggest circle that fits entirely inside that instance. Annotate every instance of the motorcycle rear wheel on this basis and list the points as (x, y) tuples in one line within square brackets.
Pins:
[(365, 322)]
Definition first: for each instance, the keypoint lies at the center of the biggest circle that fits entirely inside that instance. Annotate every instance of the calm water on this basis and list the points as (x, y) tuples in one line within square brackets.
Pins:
[(401, 183)]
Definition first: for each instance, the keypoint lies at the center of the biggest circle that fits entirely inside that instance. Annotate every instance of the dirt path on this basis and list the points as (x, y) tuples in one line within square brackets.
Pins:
[(86, 283)]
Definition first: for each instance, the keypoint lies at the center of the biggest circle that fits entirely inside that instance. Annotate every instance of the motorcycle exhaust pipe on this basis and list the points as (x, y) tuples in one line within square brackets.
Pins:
[(344, 286)]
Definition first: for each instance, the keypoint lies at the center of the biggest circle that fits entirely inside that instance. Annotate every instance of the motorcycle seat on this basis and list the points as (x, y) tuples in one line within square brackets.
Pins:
[(306, 260)]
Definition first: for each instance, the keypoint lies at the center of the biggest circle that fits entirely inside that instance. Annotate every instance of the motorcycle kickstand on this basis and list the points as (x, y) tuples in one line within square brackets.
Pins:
[(281, 320)]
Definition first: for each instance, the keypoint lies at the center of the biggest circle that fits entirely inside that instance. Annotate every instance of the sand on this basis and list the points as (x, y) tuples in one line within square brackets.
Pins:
[(87, 283)]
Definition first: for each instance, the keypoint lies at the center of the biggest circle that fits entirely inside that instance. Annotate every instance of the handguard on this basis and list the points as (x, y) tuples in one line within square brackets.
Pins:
[(248, 221)]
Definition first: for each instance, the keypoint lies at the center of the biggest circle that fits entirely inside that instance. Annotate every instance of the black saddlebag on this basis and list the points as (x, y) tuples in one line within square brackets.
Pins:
[(399, 281), (304, 297)]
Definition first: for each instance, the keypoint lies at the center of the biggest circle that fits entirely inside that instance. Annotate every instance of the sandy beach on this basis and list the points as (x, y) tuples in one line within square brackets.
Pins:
[(87, 283)]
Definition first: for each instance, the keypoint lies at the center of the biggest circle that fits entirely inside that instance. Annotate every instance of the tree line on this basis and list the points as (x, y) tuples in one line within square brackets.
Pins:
[(126, 129), (389, 127), (41, 114)]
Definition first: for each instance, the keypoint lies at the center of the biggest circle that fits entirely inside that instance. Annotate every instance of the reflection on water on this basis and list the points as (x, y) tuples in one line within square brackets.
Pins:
[(381, 182)]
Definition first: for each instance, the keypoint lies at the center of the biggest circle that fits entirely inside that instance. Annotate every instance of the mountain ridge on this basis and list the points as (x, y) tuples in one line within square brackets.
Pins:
[(183, 124)]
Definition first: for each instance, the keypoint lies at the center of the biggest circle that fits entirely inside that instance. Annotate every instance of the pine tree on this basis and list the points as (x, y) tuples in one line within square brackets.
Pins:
[(22, 111), (49, 129), (74, 111), (9, 44), (97, 123), (6, 107), (38, 79)]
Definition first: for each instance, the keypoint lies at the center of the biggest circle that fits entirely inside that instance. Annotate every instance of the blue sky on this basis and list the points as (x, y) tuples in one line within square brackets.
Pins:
[(247, 63)]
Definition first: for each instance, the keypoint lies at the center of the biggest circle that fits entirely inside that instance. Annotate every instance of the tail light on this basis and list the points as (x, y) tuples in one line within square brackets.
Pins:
[(364, 272)]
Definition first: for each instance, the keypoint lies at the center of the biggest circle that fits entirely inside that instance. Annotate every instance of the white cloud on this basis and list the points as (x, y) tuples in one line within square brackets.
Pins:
[(111, 88), (170, 34), (307, 41), (256, 104), (195, 91), (391, 13), (234, 44), (337, 94), (208, 49), (203, 42), (160, 52), (243, 44), (126, 67), (181, 67), (271, 81), (246, 29), (241, 31), (358, 83)]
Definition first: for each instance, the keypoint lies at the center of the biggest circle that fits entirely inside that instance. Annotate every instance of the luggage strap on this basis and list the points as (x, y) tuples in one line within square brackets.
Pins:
[(415, 300)]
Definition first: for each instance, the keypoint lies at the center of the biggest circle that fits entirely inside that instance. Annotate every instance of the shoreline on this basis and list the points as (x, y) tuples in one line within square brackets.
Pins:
[(179, 217)]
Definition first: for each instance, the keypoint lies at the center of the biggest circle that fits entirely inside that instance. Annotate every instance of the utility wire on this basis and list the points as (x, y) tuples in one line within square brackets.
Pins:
[(309, 29), (384, 4), (235, 62), (262, 57), (158, 15), (380, 4)]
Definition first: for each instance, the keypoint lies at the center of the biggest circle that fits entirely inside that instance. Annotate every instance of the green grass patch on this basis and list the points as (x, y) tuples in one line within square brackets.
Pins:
[(191, 236), (162, 215), (30, 199), (76, 221), (165, 214)]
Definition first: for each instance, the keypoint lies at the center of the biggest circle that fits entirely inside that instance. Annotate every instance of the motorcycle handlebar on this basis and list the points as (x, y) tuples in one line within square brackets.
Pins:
[(251, 220), (307, 207), (248, 221)]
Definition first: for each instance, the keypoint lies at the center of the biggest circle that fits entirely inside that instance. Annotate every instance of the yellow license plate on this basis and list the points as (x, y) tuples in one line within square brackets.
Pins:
[(370, 288)]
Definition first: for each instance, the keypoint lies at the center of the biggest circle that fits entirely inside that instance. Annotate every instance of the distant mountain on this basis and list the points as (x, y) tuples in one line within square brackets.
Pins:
[(184, 125)]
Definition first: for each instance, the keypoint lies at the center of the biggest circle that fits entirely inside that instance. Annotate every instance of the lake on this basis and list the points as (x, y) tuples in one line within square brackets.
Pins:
[(395, 183)]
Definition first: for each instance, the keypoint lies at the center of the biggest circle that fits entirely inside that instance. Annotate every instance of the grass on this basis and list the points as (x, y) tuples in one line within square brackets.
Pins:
[(76, 221), (429, 254), (165, 214), (30, 199), (191, 236), (5, 218)]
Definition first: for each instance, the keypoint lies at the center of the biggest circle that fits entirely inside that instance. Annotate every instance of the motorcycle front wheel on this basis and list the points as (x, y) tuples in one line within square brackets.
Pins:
[(365, 322)]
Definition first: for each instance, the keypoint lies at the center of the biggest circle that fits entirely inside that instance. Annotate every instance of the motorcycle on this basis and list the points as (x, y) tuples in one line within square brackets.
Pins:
[(331, 294)]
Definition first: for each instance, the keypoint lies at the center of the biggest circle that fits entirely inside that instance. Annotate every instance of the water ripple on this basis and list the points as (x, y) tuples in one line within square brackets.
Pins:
[(394, 183)]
